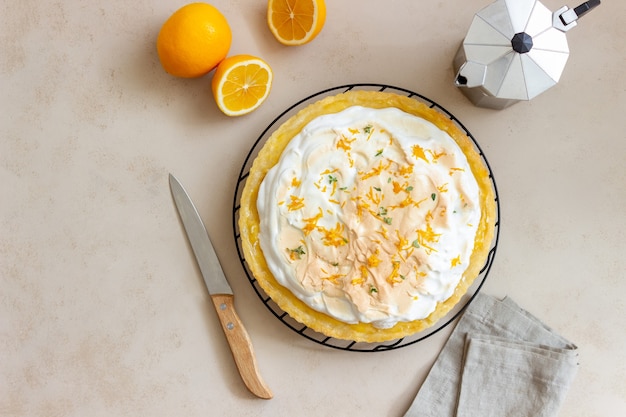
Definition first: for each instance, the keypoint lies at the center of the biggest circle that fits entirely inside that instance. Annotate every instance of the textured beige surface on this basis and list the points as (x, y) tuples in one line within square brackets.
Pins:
[(102, 309)]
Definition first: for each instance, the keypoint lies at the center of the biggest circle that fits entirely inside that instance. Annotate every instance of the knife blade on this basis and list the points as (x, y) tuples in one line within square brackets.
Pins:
[(220, 291)]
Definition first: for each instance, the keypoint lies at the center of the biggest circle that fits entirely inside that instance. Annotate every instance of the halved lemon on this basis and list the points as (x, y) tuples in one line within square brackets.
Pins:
[(241, 83), (295, 22)]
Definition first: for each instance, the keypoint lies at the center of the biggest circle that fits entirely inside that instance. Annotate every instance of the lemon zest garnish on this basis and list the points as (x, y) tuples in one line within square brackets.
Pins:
[(424, 237), (436, 155), (428, 235), (402, 243), (443, 188), (295, 182), (296, 203), (417, 203), (408, 201), (375, 171), (453, 170), (374, 198), (455, 262), (332, 192), (311, 222), (429, 249), (361, 205), (345, 143), (405, 171), (373, 260), (334, 278), (394, 276), (372, 212), (333, 237), (361, 279), (418, 153)]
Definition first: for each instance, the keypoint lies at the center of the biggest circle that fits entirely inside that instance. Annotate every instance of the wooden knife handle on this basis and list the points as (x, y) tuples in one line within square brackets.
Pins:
[(240, 345)]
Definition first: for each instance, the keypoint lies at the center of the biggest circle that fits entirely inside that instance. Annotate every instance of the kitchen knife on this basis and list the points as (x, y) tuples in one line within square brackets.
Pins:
[(220, 291)]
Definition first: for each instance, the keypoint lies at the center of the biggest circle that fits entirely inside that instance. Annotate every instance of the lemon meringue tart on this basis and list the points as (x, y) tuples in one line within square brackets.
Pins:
[(367, 216)]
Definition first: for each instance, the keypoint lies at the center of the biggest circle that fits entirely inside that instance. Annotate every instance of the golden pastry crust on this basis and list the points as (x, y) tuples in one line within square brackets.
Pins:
[(269, 156)]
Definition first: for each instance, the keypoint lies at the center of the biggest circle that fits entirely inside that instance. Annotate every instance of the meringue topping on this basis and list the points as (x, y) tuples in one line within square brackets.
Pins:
[(370, 215)]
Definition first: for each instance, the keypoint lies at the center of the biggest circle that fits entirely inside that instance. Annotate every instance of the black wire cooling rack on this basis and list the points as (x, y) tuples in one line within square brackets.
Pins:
[(304, 330)]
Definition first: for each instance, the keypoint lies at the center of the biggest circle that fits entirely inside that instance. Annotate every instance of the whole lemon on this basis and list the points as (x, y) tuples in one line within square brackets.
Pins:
[(193, 40)]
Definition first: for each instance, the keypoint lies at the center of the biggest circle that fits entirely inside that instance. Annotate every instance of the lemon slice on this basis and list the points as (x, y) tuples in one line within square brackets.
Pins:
[(241, 83), (295, 22)]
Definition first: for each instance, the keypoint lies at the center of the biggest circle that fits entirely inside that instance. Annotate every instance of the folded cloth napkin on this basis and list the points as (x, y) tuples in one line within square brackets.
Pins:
[(500, 361)]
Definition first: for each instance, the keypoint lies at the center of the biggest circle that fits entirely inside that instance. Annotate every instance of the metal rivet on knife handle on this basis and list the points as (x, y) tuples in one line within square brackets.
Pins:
[(240, 344)]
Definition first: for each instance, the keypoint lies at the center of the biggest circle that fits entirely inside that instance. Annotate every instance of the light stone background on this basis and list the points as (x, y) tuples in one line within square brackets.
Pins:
[(102, 309)]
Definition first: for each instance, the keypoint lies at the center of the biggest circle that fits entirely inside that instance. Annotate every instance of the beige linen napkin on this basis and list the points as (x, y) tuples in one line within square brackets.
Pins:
[(499, 361)]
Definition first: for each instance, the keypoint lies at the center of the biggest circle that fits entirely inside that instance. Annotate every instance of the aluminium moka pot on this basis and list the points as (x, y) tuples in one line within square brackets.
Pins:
[(514, 50)]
